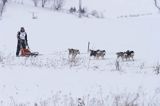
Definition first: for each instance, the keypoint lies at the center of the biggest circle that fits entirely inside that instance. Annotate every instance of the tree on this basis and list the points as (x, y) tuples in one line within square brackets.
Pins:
[(2, 5), (58, 4), (35, 2), (157, 4), (43, 3)]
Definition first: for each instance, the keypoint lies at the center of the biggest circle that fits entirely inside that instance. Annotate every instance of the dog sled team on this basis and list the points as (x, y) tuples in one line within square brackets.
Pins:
[(97, 54), (24, 50)]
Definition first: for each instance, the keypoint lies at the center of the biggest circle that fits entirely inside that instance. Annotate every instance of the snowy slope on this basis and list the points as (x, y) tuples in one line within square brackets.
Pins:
[(51, 79), (139, 34)]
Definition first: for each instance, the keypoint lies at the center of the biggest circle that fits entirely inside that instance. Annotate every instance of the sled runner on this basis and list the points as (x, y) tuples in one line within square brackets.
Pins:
[(27, 53)]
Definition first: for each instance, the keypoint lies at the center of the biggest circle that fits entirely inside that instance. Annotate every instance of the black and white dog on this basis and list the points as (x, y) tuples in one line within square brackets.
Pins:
[(120, 55), (73, 53), (97, 53), (128, 55)]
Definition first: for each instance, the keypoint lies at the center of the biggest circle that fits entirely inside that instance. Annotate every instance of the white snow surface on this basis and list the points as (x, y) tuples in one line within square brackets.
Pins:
[(52, 80)]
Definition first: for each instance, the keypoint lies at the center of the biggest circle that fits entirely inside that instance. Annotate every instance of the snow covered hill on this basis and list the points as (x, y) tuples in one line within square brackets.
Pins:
[(51, 79)]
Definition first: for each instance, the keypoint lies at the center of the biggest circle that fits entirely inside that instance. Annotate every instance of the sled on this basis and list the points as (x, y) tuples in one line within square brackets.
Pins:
[(28, 53)]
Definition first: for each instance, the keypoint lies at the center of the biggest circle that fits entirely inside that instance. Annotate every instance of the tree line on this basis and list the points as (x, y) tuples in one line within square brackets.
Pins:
[(2, 6), (57, 4)]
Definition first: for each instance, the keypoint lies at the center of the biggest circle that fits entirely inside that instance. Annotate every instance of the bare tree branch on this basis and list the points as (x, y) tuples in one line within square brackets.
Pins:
[(35, 2), (2, 5), (58, 4), (43, 3), (156, 4)]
